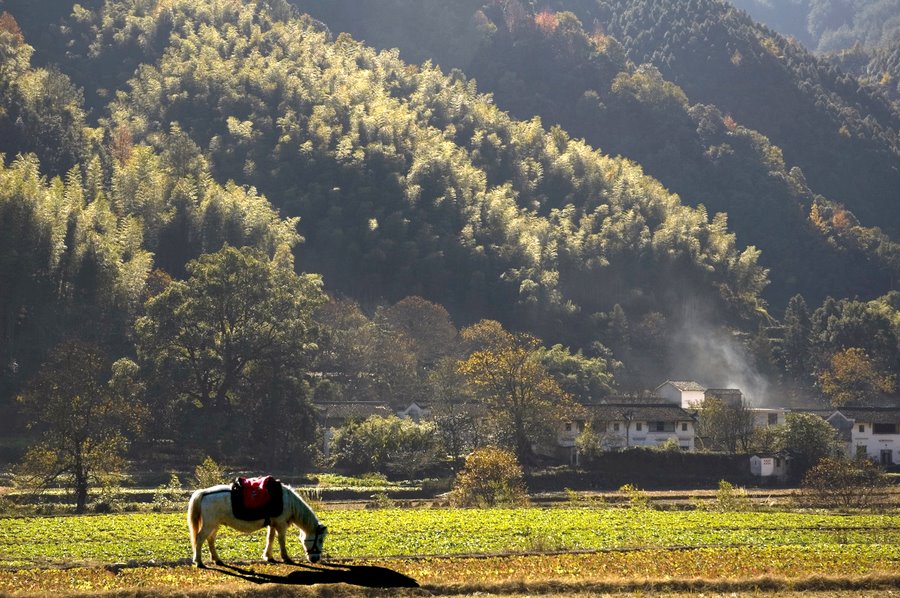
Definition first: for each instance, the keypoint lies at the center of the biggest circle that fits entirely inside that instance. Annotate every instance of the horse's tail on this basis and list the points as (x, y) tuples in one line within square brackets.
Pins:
[(194, 516)]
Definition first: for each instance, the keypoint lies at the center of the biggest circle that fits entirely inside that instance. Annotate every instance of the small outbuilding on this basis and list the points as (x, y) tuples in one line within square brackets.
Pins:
[(770, 467)]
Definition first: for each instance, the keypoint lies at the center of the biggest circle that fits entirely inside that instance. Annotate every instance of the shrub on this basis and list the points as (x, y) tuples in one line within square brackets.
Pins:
[(388, 445), (491, 477), (209, 473), (637, 498), (168, 496), (842, 483), (730, 499)]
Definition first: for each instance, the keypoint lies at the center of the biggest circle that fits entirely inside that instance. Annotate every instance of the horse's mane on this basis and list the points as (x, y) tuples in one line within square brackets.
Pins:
[(302, 512)]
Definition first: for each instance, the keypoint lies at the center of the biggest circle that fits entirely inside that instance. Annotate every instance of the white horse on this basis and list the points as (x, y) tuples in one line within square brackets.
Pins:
[(211, 507)]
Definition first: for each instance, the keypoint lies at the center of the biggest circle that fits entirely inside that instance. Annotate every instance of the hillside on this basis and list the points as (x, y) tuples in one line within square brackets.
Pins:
[(548, 64), (164, 131), (842, 135), (405, 180), (828, 26), (878, 68)]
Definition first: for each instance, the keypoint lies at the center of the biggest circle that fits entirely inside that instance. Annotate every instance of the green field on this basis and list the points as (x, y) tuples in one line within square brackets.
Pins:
[(362, 533), (565, 545)]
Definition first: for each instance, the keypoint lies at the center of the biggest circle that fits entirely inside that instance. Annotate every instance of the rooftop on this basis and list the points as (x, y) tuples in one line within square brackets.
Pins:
[(684, 385)]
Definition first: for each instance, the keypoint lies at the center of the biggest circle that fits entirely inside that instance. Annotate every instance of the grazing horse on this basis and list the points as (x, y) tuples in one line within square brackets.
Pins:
[(211, 507)]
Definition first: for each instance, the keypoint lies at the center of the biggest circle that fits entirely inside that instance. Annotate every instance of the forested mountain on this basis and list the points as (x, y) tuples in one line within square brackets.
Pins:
[(843, 136), (157, 136), (406, 179), (547, 63), (878, 67), (828, 26)]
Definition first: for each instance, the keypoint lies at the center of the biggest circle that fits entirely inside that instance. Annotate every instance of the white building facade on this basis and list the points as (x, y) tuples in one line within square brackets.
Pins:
[(870, 432), (685, 393)]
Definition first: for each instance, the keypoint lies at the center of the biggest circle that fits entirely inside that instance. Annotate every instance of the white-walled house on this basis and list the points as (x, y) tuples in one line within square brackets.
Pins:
[(764, 417), (622, 425), (872, 432), (685, 393)]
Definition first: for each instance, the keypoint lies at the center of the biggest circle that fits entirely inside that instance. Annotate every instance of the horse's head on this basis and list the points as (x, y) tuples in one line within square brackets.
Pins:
[(313, 542)]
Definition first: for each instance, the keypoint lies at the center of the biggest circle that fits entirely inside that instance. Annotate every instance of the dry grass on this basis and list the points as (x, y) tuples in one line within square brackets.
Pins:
[(880, 587), (271, 581)]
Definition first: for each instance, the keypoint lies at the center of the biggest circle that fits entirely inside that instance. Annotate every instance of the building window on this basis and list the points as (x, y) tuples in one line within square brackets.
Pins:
[(684, 426), (660, 426), (861, 451), (615, 427), (639, 426), (568, 427), (862, 428), (773, 419), (884, 428)]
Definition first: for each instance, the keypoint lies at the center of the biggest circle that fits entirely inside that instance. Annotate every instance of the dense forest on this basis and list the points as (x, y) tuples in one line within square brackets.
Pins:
[(861, 37), (827, 26), (547, 63), (233, 207)]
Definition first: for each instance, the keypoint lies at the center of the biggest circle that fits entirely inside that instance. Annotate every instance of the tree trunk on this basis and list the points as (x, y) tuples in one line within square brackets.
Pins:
[(81, 488)]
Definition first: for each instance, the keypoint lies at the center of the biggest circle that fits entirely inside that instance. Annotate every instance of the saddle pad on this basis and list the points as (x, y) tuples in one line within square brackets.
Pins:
[(256, 498)]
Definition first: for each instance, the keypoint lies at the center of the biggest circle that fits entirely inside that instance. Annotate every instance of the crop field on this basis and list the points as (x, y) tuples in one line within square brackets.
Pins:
[(450, 549)]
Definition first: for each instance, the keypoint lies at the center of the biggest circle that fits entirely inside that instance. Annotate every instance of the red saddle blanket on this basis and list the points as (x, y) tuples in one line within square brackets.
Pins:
[(256, 491), (253, 499)]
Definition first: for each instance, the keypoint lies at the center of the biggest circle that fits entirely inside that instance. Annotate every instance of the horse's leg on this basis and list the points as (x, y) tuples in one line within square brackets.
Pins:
[(270, 536), (203, 534), (212, 547), (196, 545), (282, 533)]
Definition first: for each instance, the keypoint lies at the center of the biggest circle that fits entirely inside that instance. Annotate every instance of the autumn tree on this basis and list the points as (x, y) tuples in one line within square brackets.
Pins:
[(524, 401), (85, 410), (426, 324), (840, 482), (853, 378)]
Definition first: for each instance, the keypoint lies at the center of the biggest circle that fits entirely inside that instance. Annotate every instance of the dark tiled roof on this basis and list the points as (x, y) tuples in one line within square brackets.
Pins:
[(872, 415), (658, 412)]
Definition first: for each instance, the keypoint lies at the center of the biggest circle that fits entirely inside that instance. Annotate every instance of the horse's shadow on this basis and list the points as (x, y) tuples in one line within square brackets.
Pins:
[(327, 573)]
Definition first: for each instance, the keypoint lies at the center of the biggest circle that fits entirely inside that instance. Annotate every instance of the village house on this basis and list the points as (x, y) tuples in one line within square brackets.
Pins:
[(764, 417), (870, 432), (631, 423), (686, 393)]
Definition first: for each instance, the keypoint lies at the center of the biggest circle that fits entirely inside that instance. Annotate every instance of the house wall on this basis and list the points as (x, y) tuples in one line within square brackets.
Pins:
[(686, 400), (763, 418), (882, 448), (641, 434), (691, 399), (768, 466)]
